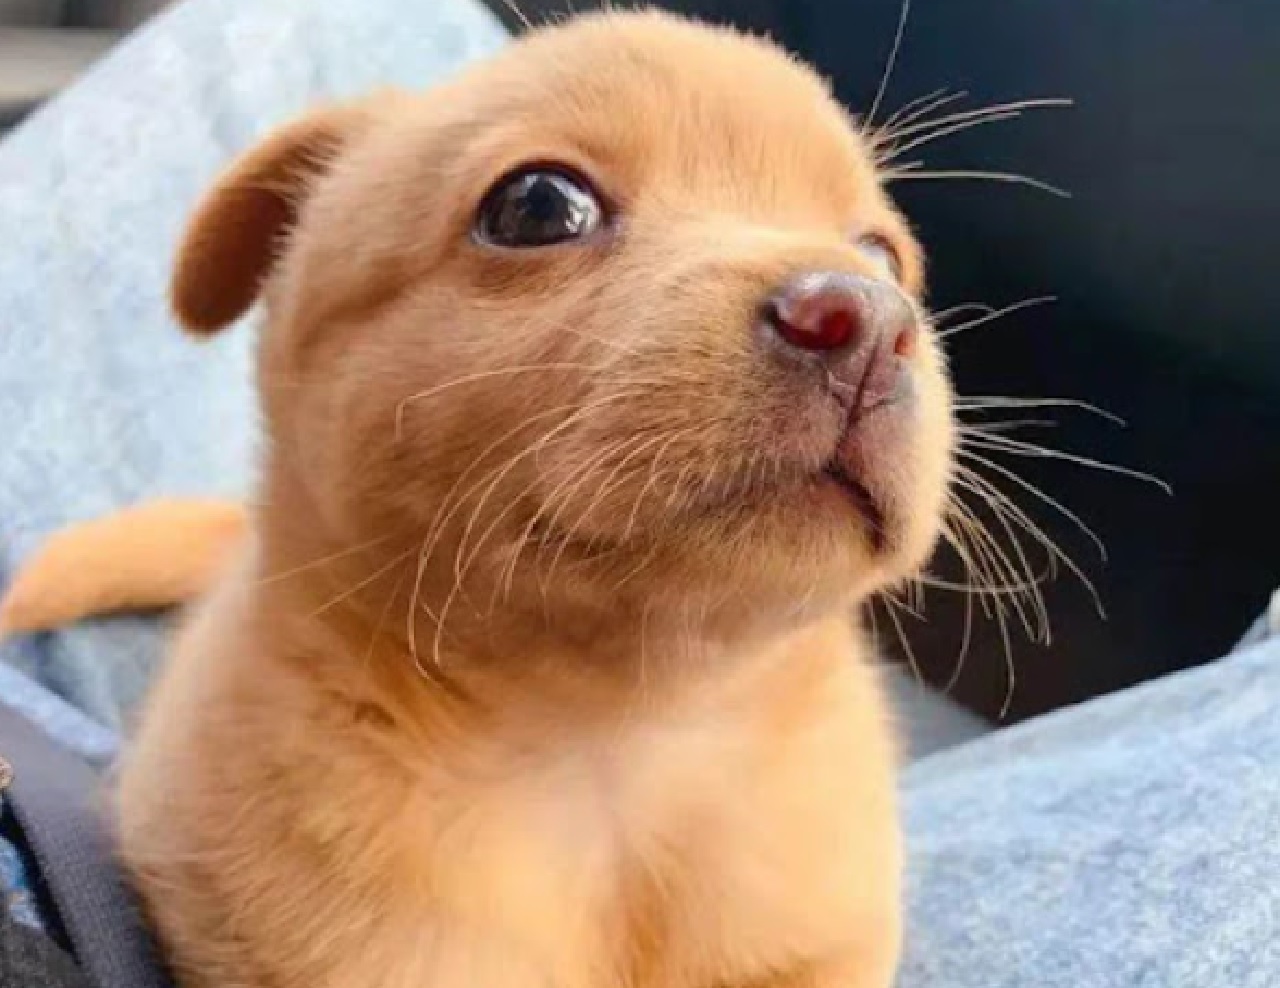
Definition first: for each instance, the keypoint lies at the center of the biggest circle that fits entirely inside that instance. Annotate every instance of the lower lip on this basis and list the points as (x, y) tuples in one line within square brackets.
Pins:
[(855, 495)]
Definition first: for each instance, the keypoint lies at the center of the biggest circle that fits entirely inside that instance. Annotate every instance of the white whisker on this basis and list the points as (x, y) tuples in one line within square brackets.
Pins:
[(974, 174), (994, 314), (892, 61)]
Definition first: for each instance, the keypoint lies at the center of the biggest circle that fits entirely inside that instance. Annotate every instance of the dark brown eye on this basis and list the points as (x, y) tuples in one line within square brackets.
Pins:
[(880, 250), (538, 208)]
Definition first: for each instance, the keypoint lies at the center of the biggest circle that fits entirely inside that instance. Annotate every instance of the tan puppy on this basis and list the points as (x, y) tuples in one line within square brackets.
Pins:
[(598, 397)]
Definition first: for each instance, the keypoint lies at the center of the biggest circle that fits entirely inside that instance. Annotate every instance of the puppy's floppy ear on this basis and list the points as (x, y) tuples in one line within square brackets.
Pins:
[(232, 240)]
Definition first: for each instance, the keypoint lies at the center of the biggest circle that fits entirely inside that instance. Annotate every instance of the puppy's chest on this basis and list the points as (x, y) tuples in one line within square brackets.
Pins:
[(667, 855)]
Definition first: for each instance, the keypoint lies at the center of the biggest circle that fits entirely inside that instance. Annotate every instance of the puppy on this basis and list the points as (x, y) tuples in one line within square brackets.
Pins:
[(598, 396)]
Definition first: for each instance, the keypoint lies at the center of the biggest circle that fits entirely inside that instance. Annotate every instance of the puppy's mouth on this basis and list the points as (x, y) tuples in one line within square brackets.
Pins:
[(836, 478), (854, 483), (869, 468), (864, 478)]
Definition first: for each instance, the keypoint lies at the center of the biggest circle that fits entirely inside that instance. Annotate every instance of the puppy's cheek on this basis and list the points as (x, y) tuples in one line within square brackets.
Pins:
[(933, 459), (329, 453), (358, 465)]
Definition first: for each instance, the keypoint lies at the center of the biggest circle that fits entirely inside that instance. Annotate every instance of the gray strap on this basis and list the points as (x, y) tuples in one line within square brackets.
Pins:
[(53, 796), (30, 959)]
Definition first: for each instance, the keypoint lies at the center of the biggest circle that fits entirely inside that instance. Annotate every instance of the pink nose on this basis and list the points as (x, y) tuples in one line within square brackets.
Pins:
[(861, 330), (831, 310)]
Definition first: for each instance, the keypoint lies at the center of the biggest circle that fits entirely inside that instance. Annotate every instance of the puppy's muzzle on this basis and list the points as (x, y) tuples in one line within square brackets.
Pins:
[(861, 331)]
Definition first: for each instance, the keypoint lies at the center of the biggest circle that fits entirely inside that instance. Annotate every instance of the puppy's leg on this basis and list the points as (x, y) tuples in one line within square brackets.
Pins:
[(156, 554)]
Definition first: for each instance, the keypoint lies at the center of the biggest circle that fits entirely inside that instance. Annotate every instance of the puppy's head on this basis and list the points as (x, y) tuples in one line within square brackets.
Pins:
[(624, 311)]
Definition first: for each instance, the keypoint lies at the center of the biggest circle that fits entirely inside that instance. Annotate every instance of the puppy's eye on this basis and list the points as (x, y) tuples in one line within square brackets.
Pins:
[(538, 208), (878, 249)]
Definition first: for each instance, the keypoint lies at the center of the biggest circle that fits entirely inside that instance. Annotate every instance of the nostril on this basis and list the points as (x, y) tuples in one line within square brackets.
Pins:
[(864, 333), (834, 329), (822, 319), (816, 331), (904, 344)]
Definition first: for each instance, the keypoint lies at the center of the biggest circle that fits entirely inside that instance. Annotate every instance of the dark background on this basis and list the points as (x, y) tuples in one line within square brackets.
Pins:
[(1166, 265)]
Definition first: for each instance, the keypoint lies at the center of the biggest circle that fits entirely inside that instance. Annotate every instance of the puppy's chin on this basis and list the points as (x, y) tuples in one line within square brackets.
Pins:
[(811, 542), (785, 544)]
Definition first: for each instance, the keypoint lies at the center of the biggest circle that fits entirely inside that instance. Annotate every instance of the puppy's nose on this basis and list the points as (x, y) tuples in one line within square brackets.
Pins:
[(858, 327)]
